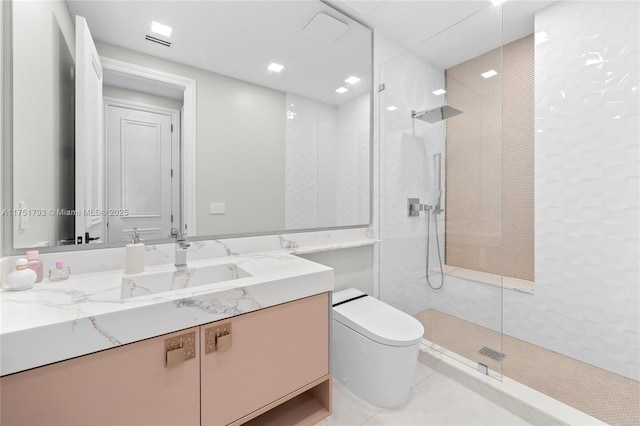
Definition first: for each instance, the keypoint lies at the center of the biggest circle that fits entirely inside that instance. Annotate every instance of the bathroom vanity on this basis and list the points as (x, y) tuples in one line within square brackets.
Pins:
[(253, 348)]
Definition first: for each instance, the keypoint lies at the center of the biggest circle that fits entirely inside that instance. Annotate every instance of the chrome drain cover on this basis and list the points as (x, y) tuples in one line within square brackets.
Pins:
[(490, 353)]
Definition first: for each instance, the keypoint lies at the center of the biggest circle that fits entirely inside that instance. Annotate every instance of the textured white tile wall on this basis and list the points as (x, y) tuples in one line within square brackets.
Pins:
[(310, 125), (327, 163), (587, 194), (353, 162), (587, 180), (407, 170)]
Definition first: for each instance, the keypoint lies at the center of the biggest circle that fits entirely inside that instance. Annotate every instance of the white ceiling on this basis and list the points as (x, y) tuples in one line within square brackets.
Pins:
[(446, 32), (241, 38)]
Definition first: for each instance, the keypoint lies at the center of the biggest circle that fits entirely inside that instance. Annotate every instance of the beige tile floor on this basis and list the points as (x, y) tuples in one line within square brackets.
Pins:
[(435, 400), (609, 397)]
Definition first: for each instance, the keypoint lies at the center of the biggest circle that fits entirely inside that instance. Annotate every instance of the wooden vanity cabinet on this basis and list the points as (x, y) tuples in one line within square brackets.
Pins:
[(127, 385), (275, 354), (275, 371)]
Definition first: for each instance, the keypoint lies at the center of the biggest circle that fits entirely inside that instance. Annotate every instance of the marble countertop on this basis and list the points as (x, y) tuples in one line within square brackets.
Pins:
[(55, 321)]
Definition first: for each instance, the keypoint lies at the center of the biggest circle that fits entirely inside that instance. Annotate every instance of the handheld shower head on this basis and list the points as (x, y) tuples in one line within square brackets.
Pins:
[(438, 191)]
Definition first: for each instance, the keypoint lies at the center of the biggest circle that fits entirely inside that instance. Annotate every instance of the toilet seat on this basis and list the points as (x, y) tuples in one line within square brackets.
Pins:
[(374, 319)]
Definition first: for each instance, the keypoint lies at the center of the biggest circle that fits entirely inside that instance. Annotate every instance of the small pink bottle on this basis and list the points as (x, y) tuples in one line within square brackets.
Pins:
[(35, 264)]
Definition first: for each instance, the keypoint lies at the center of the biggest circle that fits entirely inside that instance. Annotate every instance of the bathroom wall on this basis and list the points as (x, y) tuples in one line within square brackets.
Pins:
[(310, 162), (226, 131), (2, 128), (587, 202), (352, 267), (407, 169), (326, 145), (43, 129), (587, 199), (490, 192), (353, 153)]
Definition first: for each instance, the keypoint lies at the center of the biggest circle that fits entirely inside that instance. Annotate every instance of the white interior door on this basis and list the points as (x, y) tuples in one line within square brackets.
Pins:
[(89, 196), (139, 172)]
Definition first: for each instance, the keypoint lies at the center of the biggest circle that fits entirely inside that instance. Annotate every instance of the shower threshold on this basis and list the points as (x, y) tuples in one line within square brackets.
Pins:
[(523, 401), (555, 385)]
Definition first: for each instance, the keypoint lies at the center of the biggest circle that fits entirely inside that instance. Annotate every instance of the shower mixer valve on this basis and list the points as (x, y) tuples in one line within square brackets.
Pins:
[(414, 207)]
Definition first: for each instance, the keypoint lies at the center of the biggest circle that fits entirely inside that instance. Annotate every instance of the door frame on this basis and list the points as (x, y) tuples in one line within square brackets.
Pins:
[(188, 131), (176, 142)]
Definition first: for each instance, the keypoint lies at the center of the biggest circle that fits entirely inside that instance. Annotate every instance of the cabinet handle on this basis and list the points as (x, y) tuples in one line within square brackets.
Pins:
[(217, 338), (175, 357), (180, 348), (223, 342)]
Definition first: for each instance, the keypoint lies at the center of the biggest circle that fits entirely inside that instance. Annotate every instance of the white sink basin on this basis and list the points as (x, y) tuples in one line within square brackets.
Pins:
[(161, 282)]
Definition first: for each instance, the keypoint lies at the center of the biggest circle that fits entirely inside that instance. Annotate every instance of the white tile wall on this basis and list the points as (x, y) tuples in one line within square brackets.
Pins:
[(407, 170), (326, 144), (352, 162), (587, 180), (309, 123)]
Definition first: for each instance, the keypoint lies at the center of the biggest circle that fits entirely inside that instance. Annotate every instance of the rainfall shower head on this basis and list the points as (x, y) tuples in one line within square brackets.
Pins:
[(436, 114)]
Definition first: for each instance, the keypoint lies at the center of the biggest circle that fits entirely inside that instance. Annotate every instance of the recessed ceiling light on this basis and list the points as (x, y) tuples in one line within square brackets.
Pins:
[(439, 92), (275, 67), (489, 74), (352, 80), (497, 2), (341, 90), (392, 108), (161, 29)]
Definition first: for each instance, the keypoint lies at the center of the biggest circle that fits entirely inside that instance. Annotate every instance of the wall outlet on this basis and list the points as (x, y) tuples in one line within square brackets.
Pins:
[(217, 208)]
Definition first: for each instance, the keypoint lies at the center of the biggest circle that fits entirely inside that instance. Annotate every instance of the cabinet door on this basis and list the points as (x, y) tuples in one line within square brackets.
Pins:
[(273, 352), (127, 385)]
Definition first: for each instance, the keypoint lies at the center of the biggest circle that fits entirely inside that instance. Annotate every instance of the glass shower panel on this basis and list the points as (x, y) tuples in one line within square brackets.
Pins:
[(442, 253)]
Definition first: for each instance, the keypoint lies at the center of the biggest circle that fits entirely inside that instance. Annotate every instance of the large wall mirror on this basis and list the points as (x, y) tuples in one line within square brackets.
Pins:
[(212, 118)]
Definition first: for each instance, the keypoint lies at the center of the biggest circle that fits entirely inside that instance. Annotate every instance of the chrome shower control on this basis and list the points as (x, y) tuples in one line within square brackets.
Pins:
[(414, 207)]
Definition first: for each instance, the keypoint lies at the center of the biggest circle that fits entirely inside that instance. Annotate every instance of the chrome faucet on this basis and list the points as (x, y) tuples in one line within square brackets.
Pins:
[(181, 247)]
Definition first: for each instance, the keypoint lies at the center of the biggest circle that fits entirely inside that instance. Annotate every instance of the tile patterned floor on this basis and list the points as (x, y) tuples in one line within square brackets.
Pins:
[(435, 400), (609, 397)]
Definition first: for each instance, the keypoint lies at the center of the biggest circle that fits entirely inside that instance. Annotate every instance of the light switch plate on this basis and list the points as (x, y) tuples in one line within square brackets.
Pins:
[(22, 218), (217, 208)]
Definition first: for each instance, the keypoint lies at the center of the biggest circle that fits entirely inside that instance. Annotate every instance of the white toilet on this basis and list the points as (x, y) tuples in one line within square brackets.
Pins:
[(374, 348)]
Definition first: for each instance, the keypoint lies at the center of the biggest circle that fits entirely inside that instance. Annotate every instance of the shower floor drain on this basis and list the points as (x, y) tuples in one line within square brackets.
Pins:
[(490, 353)]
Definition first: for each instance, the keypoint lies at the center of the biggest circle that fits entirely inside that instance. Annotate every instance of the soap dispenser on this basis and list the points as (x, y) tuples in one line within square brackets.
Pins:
[(134, 262)]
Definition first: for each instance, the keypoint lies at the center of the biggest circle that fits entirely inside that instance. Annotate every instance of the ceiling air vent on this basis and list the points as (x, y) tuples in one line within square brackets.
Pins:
[(157, 40)]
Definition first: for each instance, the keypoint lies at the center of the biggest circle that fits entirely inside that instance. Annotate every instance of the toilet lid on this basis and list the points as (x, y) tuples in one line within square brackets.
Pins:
[(375, 319)]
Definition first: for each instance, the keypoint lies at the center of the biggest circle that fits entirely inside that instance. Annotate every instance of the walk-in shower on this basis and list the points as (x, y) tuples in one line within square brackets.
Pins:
[(531, 291)]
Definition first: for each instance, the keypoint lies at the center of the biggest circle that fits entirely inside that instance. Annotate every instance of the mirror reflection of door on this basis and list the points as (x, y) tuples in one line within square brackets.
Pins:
[(140, 142), (89, 180)]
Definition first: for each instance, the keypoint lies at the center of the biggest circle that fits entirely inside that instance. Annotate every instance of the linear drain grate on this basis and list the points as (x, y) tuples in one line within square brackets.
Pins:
[(490, 353)]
